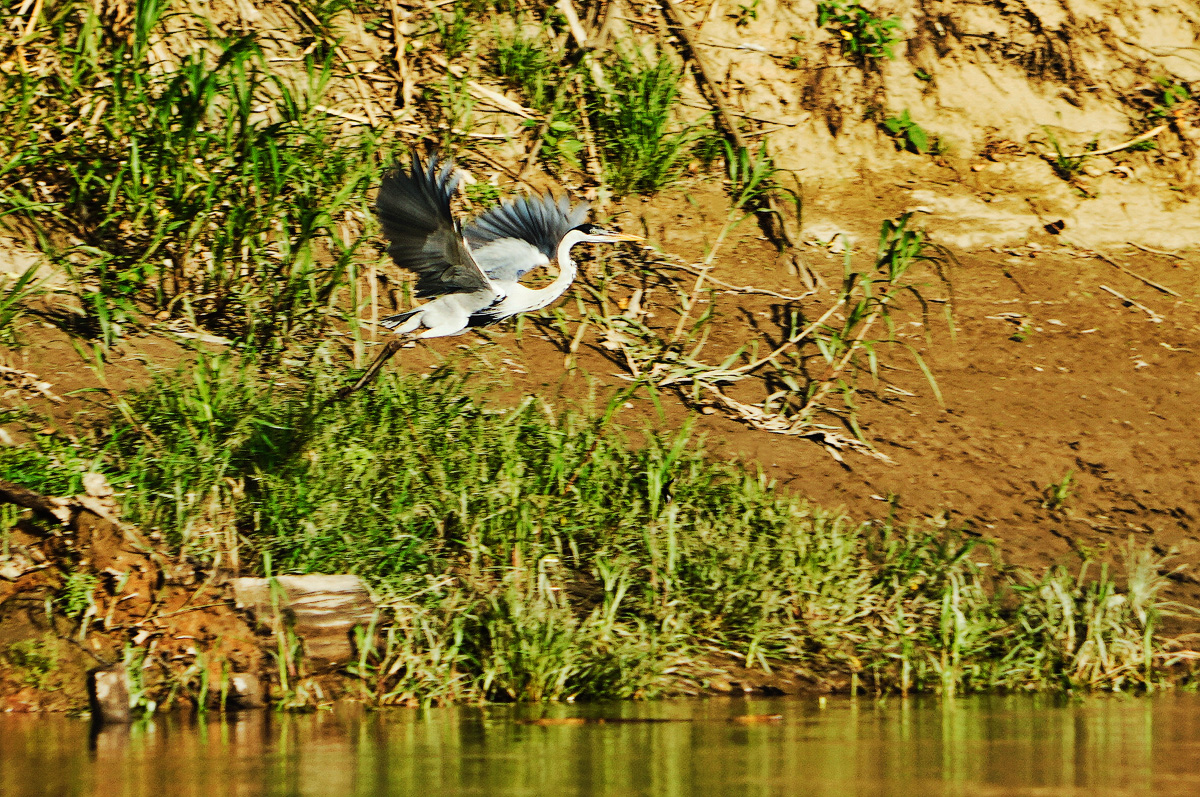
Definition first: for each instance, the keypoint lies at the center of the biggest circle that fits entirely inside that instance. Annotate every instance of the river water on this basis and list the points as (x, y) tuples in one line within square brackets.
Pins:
[(996, 745)]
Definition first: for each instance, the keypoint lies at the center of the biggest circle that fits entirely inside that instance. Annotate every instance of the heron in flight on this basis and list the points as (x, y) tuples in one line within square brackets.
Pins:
[(471, 274)]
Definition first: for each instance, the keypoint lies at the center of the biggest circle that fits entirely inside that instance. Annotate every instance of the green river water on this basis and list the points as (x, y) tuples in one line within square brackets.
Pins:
[(996, 745)]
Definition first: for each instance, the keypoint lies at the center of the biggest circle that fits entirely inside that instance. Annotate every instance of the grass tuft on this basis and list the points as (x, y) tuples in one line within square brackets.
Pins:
[(644, 148)]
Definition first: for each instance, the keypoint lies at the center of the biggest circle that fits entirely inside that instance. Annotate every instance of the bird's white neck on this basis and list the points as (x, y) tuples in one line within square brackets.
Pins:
[(567, 271)]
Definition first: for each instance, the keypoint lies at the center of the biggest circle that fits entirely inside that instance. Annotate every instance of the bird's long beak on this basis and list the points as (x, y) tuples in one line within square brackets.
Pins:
[(624, 236)]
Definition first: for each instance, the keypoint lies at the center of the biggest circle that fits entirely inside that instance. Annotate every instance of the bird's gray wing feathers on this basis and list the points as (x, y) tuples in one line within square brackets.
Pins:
[(414, 210), (508, 259), (540, 221)]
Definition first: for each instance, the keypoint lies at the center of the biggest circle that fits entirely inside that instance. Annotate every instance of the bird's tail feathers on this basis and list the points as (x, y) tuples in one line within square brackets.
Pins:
[(393, 321)]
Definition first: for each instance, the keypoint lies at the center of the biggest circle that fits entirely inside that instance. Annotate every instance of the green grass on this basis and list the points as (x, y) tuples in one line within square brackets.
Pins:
[(527, 63), (529, 553), (455, 31), (15, 292), (644, 148), (1068, 167), (1058, 493), (34, 661), (189, 188)]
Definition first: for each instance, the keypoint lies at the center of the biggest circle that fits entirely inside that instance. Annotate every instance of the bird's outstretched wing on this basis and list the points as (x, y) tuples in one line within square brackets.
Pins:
[(539, 222), (414, 210)]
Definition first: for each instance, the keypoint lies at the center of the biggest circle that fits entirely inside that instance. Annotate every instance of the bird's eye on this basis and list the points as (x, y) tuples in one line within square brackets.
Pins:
[(588, 229)]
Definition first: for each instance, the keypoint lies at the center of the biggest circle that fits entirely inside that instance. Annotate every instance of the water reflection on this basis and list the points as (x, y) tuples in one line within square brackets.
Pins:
[(990, 745)]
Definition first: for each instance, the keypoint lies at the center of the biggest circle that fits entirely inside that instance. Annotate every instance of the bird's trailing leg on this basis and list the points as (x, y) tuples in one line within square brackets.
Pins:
[(369, 375)]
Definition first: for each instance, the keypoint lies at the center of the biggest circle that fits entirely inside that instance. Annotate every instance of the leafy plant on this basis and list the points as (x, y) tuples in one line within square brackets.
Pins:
[(455, 33), (644, 149), (483, 195), (1170, 94), (746, 14), (14, 293), (34, 660), (863, 34), (1058, 493), (911, 136), (191, 186), (75, 595), (544, 79), (527, 66), (1068, 167), (1024, 330)]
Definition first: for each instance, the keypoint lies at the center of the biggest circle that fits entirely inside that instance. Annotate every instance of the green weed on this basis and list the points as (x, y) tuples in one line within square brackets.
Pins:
[(911, 136), (544, 79), (1058, 493), (864, 35), (529, 554), (483, 195), (1023, 332), (14, 294), (1169, 94), (75, 596), (34, 660), (189, 186), (643, 147), (746, 14), (1066, 166), (456, 32), (528, 66)]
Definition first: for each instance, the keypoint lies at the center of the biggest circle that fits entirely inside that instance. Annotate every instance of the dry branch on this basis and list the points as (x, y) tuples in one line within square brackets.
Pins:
[(666, 260), (1153, 251), (483, 92), (1154, 317), (1133, 274), (1131, 142), (777, 225), (59, 510)]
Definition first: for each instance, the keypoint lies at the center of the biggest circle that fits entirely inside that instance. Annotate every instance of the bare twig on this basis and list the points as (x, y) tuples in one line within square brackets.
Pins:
[(567, 9), (350, 117), (589, 140), (793, 340), (1131, 142), (350, 67), (401, 57), (775, 423), (1136, 245), (483, 92), (28, 381), (1154, 317), (828, 381), (58, 509), (1133, 274), (495, 164), (691, 269), (535, 148), (717, 96)]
